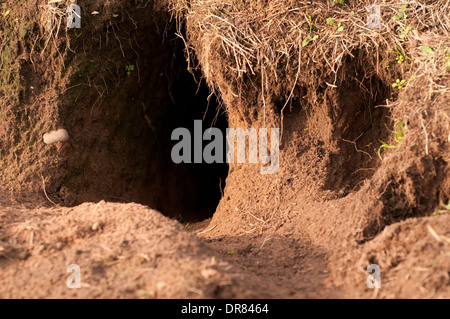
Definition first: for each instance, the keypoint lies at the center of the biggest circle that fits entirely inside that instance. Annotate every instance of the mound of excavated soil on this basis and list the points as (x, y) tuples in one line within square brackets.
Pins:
[(130, 251), (413, 256), (123, 251)]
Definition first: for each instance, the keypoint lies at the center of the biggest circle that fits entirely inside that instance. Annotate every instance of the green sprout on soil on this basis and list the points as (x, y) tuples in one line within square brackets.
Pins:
[(411, 80), (445, 209), (405, 32), (399, 135), (232, 252), (339, 1), (429, 54), (398, 84), (331, 22), (401, 56), (76, 33), (129, 68), (311, 24), (339, 27), (309, 39), (401, 14), (427, 49)]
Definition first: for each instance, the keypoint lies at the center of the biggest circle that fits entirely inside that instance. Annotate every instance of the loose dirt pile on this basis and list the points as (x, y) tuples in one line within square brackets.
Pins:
[(123, 251), (365, 145)]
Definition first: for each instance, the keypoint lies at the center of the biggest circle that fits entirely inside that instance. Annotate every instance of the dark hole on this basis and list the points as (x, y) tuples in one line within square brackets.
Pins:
[(123, 144), (200, 185), (186, 191)]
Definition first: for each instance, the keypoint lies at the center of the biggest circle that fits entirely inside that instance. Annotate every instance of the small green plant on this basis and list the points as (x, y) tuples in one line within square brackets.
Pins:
[(427, 49), (399, 135), (398, 84), (401, 56), (405, 32), (401, 14), (429, 54), (339, 27), (311, 24), (445, 209), (339, 1), (232, 252), (129, 69), (309, 39)]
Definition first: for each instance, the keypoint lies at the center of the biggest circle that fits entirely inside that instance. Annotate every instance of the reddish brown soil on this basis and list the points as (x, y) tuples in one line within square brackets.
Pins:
[(309, 231), (123, 250), (130, 251)]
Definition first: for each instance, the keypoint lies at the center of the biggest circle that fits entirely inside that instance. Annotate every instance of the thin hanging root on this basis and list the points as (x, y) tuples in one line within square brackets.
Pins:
[(45, 192), (52, 19)]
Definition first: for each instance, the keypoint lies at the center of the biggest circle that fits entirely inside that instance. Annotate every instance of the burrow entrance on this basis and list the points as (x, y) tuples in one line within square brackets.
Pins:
[(121, 141)]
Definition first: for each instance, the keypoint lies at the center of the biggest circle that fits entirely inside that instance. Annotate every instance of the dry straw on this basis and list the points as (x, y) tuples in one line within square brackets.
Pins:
[(280, 44)]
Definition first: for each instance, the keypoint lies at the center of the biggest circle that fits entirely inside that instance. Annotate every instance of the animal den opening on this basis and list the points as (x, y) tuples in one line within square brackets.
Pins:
[(123, 145), (186, 191)]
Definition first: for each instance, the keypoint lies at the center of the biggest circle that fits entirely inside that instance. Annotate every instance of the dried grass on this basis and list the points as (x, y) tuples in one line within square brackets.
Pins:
[(259, 43)]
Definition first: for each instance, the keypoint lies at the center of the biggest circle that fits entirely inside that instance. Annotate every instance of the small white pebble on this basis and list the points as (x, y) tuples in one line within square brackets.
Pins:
[(60, 135), (160, 285)]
